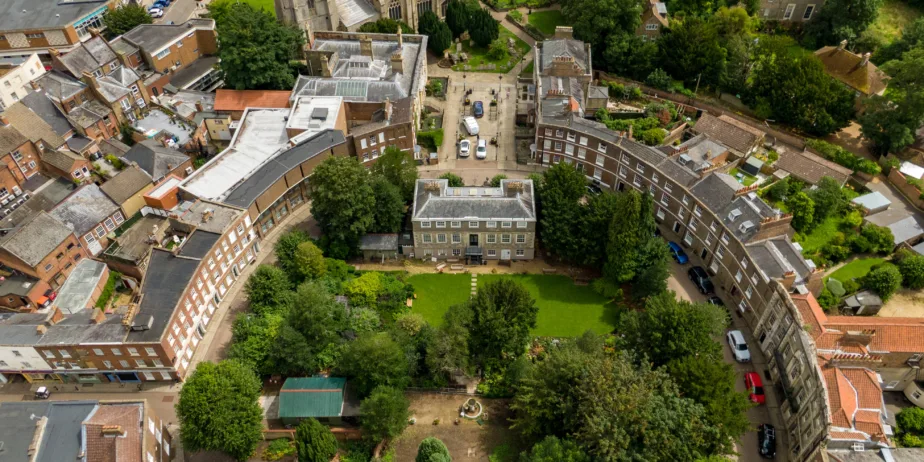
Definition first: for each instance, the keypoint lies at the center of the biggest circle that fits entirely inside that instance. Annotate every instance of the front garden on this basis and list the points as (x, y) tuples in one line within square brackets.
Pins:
[(496, 57)]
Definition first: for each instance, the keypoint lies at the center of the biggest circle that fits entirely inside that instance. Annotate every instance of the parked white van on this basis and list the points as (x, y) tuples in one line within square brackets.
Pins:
[(471, 125)]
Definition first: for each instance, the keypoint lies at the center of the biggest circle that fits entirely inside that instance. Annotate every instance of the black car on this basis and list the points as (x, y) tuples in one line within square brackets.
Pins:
[(766, 441), (715, 301), (699, 277)]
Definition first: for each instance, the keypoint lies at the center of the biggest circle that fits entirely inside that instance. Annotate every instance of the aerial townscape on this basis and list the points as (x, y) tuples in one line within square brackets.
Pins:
[(437, 230)]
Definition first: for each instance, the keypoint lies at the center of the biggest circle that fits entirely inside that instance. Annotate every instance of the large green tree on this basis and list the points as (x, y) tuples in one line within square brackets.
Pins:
[(797, 91), (448, 352), (255, 51), (218, 410), (458, 17), (911, 266), (125, 18), (268, 289), (624, 238), (285, 252), (690, 51), (711, 383), (503, 312), (253, 338), (670, 328), (374, 360), (552, 449), (829, 198), (891, 121), (385, 413), (595, 20), (803, 211), (398, 168), (389, 206), (842, 20), (562, 216), (340, 201), (314, 441), (483, 28), (310, 261), (652, 277), (312, 332), (885, 281)]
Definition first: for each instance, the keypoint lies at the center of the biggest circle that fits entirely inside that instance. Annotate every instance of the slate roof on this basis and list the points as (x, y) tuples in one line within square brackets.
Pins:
[(119, 44), (270, 172), (78, 143), (303, 397), (45, 108), (238, 100), (752, 211), (60, 86), (126, 184), (32, 126), (716, 191), (198, 244), (87, 57), (728, 131), (36, 238), (810, 167), (154, 37), (554, 48), (485, 203), (37, 14), (775, 257), (154, 158), (847, 67), (89, 113), (61, 439), (164, 283), (894, 455), (85, 209), (379, 242), (192, 73), (62, 159), (77, 292), (598, 92), (114, 147)]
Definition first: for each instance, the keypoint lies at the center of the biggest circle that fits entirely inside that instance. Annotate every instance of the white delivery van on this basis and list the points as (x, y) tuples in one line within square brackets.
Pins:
[(471, 125)]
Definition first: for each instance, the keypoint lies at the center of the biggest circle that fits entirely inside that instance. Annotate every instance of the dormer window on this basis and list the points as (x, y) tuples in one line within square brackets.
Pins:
[(746, 226), (734, 214)]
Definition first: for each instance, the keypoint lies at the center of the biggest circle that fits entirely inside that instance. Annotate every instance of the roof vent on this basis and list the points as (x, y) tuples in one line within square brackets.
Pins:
[(319, 113), (734, 214), (141, 323), (684, 159)]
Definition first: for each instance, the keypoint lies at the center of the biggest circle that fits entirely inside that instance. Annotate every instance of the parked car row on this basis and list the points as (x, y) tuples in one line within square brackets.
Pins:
[(465, 146), (157, 9)]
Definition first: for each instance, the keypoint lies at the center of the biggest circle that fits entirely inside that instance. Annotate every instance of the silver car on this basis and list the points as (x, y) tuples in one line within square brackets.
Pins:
[(465, 146), (738, 346)]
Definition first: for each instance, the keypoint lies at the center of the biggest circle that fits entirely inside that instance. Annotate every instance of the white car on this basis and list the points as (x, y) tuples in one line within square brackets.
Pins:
[(156, 12), (738, 346), (465, 147), (482, 150), (471, 125)]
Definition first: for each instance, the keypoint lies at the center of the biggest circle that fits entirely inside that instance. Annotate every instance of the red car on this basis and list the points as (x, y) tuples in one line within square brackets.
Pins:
[(755, 387)]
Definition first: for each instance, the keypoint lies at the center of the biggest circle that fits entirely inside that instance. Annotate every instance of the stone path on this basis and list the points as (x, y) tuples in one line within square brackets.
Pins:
[(474, 284)]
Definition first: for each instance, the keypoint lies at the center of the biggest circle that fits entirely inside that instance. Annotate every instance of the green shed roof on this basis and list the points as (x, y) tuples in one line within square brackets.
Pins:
[(311, 397)]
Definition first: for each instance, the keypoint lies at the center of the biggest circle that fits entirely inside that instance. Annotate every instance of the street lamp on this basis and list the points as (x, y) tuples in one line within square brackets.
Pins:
[(500, 79), (463, 84)]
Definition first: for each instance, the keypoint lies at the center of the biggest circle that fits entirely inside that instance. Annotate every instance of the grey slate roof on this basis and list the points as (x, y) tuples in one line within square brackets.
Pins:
[(114, 147), (564, 47), (126, 184), (36, 238), (74, 295), (164, 283), (594, 91), (906, 230), (17, 284), (716, 190), (198, 244), (40, 14), (61, 439), (379, 242), (152, 37), (269, 173), (88, 57), (895, 455), (775, 257), (485, 203), (89, 113), (60, 86), (872, 201), (728, 132), (752, 211), (120, 45), (84, 209), (154, 158), (78, 143), (45, 108), (190, 74)]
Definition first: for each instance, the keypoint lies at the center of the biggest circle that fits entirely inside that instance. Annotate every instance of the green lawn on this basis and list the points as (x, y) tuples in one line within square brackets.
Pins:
[(855, 269), (747, 179), (267, 5), (565, 309), (528, 70), (437, 292), (546, 21), (478, 55), (894, 15), (821, 235)]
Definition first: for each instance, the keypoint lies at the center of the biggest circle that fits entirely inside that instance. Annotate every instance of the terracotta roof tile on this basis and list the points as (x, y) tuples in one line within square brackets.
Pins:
[(238, 100), (103, 447), (846, 435), (891, 334), (869, 393), (811, 312)]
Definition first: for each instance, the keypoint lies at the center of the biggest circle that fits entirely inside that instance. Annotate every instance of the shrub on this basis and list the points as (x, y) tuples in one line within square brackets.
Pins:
[(773, 156), (315, 441), (277, 449), (835, 253), (652, 136), (498, 50), (885, 281), (432, 450), (431, 139), (515, 16), (843, 157), (659, 79), (455, 181), (108, 289), (606, 288), (912, 268), (496, 180), (836, 288), (827, 300), (851, 286)]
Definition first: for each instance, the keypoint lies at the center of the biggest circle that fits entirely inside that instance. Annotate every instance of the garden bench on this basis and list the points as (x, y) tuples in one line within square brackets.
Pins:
[(457, 267), (452, 260), (440, 267), (549, 271)]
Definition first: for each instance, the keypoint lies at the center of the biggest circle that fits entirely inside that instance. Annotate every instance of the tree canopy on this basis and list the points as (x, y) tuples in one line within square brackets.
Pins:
[(374, 360), (388, 214), (218, 410), (255, 50), (432, 450), (483, 28), (125, 18), (268, 288), (314, 441), (385, 413), (398, 168), (503, 312), (310, 261), (340, 193)]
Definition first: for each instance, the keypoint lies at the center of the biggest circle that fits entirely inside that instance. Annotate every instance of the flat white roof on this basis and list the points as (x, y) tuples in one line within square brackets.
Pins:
[(165, 187), (313, 114), (262, 135), (912, 170)]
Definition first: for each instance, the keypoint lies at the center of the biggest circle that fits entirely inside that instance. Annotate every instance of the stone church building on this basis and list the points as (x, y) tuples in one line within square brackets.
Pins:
[(349, 15)]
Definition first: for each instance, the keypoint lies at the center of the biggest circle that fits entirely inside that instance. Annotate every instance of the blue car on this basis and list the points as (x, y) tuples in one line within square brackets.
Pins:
[(478, 109), (678, 253)]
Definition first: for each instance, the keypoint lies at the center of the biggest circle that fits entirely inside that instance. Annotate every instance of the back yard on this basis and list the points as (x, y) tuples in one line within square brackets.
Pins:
[(546, 21), (478, 56), (565, 309)]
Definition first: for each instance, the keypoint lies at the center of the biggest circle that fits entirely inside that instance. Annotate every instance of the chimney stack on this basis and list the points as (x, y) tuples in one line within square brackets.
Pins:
[(397, 63), (123, 59), (199, 107), (90, 80), (865, 60), (54, 52), (93, 31), (35, 85), (842, 45), (325, 67), (388, 108), (4, 120), (630, 132), (564, 32), (400, 38), (99, 316), (365, 46), (111, 430)]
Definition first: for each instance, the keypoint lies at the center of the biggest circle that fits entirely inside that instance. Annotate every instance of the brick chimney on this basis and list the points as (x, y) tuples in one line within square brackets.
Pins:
[(630, 132), (397, 63), (400, 38), (99, 316), (112, 430), (199, 107), (564, 32), (4, 120), (123, 59), (388, 108), (93, 31), (842, 45), (365, 46), (54, 52), (35, 85), (325, 67), (90, 80), (865, 59)]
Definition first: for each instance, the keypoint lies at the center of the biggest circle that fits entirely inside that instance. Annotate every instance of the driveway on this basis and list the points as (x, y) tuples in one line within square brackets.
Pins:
[(179, 11), (746, 447)]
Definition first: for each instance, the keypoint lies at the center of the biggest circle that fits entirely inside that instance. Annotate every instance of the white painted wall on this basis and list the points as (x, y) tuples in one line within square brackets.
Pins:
[(14, 85), (26, 354)]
